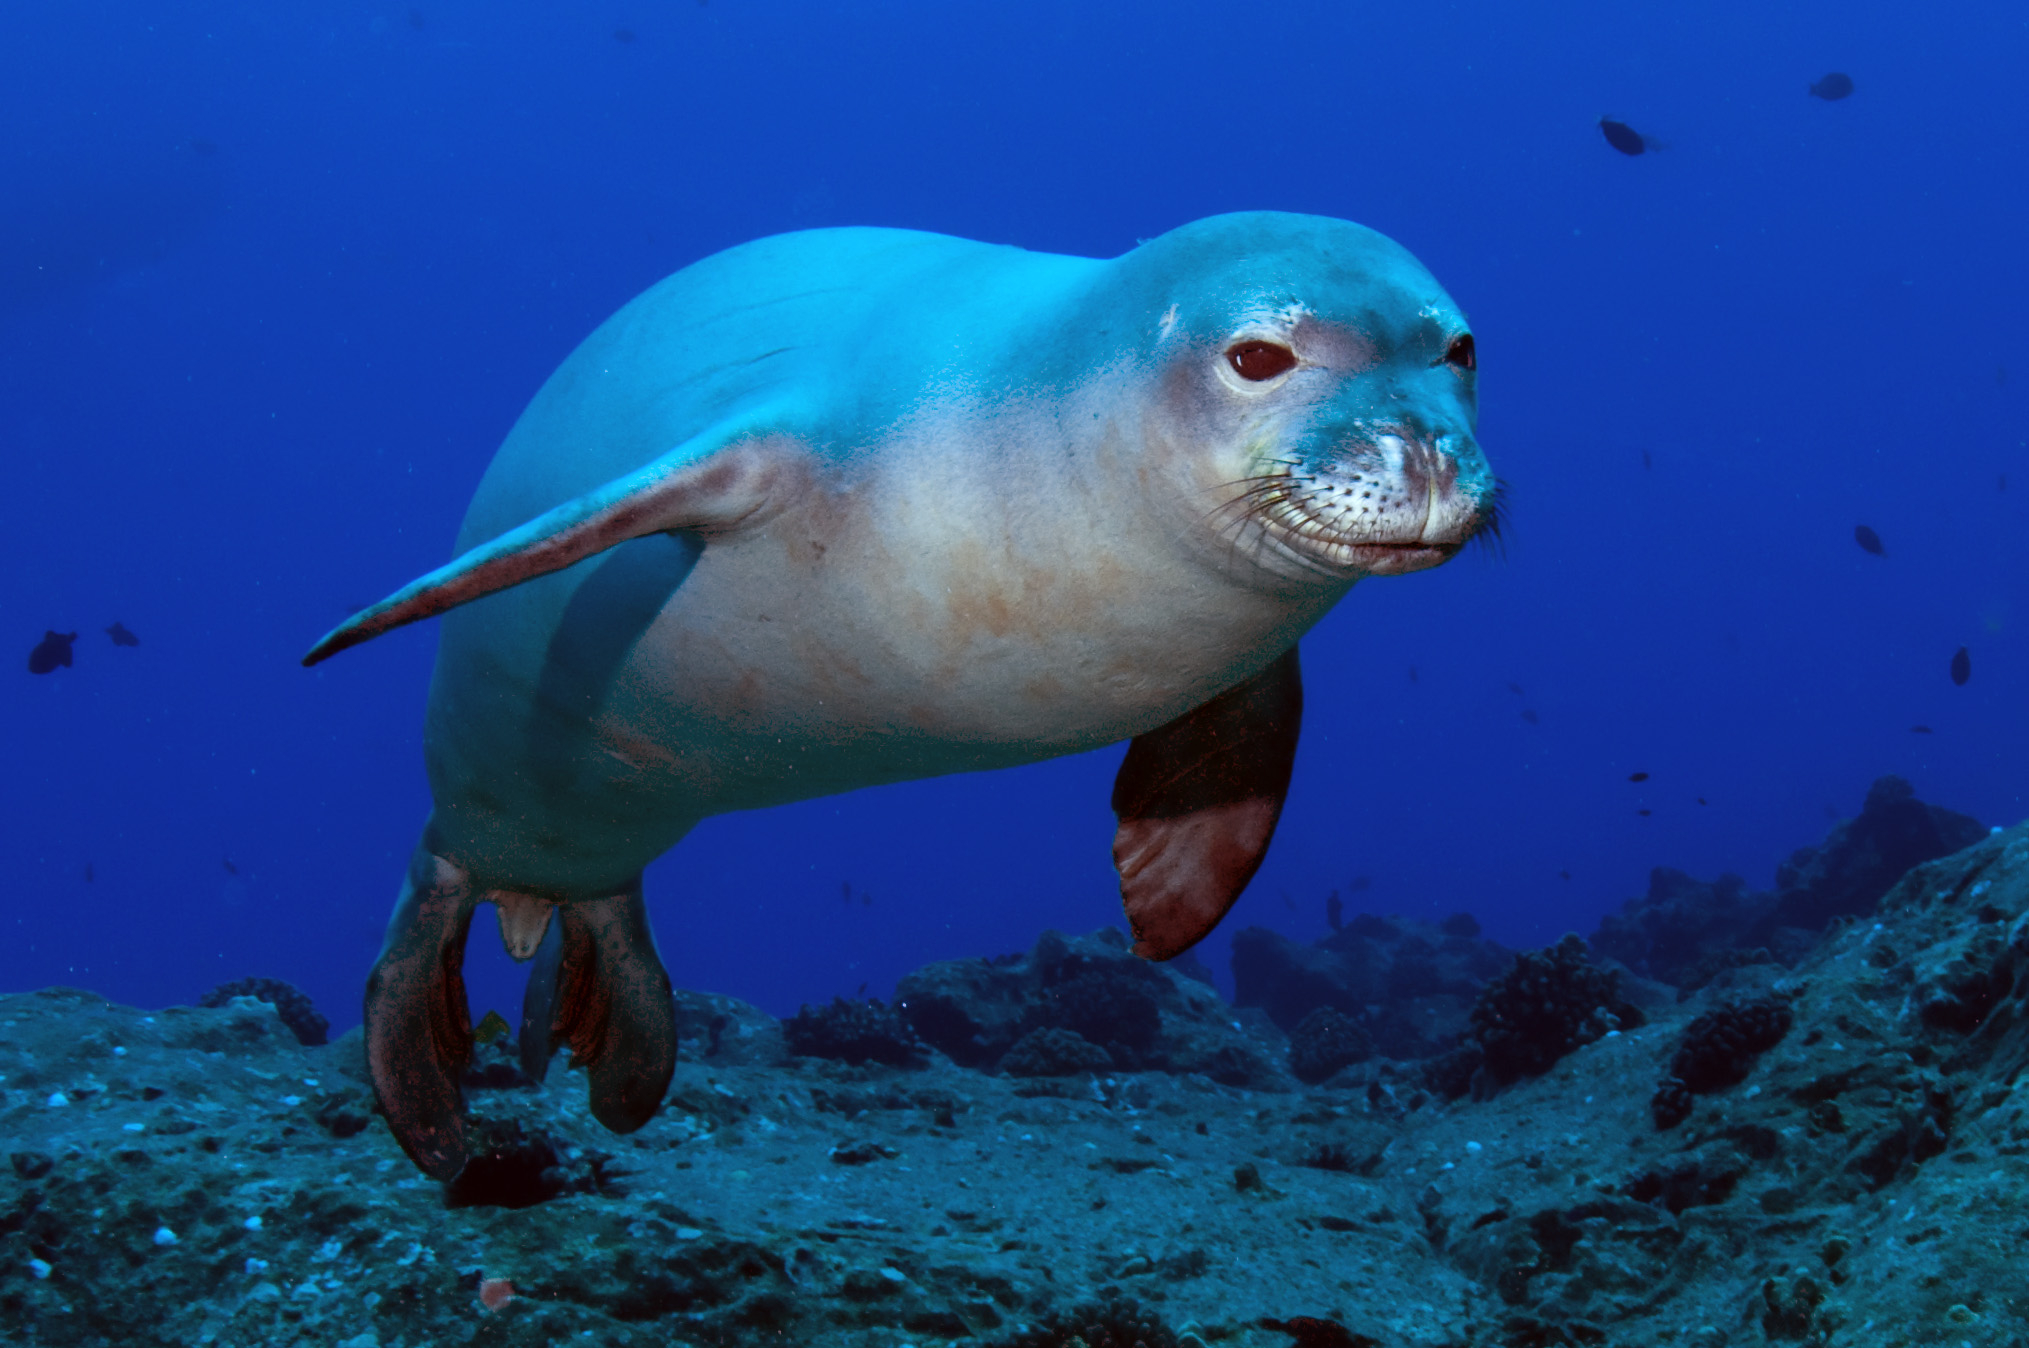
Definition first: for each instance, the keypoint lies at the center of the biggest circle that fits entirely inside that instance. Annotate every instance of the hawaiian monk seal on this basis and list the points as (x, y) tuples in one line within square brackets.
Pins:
[(856, 506)]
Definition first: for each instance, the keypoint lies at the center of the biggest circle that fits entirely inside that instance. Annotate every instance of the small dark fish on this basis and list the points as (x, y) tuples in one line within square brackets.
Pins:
[(1334, 911), (1921, 730), (1962, 667), (1515, 688), (1832, 87), (492, 1028), (89, 877), (51, 651), (230, 869), (1622, 137), (1412, 674), (1644, 813), (862, 991), (121, 636), (1288, 902), (1361, 884), (1637, 776), (866, 899), (1701, 800), (1648, 459), (623, 36), (846, 897), (1531, 717), (2001, 483), (1564, 875), (1868, 540)]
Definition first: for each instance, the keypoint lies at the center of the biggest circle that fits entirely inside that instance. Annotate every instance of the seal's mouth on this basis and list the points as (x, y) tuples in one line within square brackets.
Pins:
[(1394, 507)]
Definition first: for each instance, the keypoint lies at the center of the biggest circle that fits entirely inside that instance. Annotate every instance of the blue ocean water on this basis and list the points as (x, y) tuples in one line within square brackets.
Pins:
[(275, 281)]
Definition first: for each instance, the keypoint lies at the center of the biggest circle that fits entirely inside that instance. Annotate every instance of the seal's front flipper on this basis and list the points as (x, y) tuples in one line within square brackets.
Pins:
[(418, 1028), (1197, 801), (599, 988), (713, 484)]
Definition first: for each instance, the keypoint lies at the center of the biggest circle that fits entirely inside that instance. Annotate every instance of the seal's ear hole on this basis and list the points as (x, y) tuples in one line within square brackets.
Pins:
[(1260, 360), (1461, 353)]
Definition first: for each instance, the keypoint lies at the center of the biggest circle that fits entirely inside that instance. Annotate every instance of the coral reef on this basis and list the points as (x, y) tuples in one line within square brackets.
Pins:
[(199, 1176), (1096, 1003), (1051, 1052), (1859, 860), (725, 1030), (292, 1005), (1689, 932), (1145, 1017), (1682, 930), (1325, 1041), (1550, 1003), (1408, 984), (855, 1032), (1719, 1048)]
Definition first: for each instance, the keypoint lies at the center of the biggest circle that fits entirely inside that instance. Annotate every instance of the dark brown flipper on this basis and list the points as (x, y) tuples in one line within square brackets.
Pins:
[(1197, 801), (599, 988), (418, 1028)]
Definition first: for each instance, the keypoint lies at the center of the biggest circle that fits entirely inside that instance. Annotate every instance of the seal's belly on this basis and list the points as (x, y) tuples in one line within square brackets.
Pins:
[(777, 673)]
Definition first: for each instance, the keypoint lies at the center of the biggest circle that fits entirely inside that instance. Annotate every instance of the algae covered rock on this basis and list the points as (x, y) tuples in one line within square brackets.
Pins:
[(1324, 1042), (1549, 1003), (1051, 1052), (1689, 932), (1143, 1016), (855, 1032), (291, 1004), (1408, 984)]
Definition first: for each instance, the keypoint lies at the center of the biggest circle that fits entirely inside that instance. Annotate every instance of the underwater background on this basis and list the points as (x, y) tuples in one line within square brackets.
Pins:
[(276, 280)]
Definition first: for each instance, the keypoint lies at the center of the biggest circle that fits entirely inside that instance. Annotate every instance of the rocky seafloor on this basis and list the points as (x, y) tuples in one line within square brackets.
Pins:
[(1736, 1117)]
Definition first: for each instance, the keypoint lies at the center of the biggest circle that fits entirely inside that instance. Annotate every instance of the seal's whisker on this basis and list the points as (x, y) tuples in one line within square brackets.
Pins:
[(1494, 518)]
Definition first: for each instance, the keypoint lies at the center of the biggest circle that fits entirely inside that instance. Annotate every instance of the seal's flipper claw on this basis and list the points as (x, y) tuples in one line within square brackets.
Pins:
[(692, 487), (418, 1028), (611, 1005), (1197, 801)]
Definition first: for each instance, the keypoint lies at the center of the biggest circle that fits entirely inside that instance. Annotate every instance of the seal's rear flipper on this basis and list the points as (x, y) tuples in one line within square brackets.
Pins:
[(599, 987), (712, 484), (1197, 801), (539, 1004), (418, 1028)]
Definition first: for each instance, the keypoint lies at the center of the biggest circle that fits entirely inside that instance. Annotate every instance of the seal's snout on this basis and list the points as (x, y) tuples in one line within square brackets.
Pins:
[(1460, 497), (1386, 500)]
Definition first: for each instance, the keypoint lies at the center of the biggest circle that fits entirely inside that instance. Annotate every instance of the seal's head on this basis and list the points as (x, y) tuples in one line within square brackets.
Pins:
[(1317, 397)]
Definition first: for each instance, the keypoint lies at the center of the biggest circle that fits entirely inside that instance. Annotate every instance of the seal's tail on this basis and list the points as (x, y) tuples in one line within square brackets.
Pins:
[(598, 986)]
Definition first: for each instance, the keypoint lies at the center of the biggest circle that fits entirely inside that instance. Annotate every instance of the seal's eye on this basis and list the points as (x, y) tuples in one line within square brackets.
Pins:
[(1460, 353), (1257, 361)]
